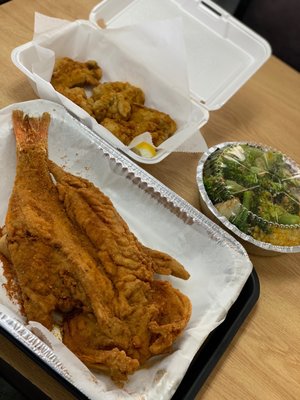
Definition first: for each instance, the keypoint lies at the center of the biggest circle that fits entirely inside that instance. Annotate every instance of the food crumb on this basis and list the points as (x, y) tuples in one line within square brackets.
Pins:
[(11, 286)]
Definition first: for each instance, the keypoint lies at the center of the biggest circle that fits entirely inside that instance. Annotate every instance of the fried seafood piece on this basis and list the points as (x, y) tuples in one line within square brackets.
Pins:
[(174, 313), (114, 100), (54, 262), (123, 130), (79, 97), (118, 106), (73, 256), (111, 105), (156, 315), (142, 119), (159, 124), (165, 264), (94, 212), (131, 93), (140, 299), (69, 73)]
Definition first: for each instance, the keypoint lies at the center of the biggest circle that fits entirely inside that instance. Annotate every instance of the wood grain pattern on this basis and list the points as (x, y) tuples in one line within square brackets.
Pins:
[(32, 371), (263, 360)]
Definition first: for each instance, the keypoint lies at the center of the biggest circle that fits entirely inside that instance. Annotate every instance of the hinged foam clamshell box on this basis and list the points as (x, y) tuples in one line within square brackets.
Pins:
[(222, 53)]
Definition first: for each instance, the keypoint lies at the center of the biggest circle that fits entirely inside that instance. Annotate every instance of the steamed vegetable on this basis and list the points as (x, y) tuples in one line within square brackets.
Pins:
[(255, 189)]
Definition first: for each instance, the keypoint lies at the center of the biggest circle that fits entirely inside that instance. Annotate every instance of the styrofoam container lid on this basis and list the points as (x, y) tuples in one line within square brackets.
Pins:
[(222, 53)]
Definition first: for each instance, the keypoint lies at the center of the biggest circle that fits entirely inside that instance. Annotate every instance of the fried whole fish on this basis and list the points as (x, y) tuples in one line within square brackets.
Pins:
[(74, 256), (140, 299), (53, 260)]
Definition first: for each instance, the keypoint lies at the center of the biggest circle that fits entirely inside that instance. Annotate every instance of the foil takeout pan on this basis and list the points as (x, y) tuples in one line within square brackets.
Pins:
[(189, 57), (218, 264), (213, 164)]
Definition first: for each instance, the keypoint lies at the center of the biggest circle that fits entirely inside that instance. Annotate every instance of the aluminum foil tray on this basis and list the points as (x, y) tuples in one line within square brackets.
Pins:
[(218, 264), (252, 245)]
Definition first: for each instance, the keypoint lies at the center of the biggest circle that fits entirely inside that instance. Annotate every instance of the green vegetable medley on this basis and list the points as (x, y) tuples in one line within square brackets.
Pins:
[(253, 187)]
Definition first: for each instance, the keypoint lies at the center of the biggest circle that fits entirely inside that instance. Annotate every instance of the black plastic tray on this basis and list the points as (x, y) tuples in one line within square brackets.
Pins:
[(217, 342), (201, 366)]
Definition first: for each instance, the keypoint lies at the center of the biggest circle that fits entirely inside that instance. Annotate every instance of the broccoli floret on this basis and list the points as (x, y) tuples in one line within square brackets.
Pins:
[(252, 155), (275, 163), (270, 183), (267, 209), (288, 202), (214, 186), (235, 171)]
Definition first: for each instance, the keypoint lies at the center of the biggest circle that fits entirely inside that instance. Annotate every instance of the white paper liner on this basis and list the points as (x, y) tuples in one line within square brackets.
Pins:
[(218, 265), (151, 56)]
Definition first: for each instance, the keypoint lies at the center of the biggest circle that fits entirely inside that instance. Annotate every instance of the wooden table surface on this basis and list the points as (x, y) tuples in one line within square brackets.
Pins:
[(263, 360)]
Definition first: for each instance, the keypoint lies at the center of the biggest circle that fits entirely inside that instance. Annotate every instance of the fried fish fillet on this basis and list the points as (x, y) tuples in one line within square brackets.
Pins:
[(118, 106), (69, 73), (79, 97), (141, 301), (74, 255), (94, 212), (142, 119), (53, 260), (114, 100)]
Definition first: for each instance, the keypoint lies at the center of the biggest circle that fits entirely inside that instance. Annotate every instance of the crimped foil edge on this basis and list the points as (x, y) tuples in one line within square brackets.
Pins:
[(169, 198), (33, 343)]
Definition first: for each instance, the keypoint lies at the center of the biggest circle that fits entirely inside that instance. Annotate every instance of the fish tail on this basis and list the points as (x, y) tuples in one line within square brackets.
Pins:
[(30, 130)]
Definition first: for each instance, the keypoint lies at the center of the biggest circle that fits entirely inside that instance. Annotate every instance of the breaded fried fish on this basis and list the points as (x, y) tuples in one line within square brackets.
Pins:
[(69, 73), (75, 257)]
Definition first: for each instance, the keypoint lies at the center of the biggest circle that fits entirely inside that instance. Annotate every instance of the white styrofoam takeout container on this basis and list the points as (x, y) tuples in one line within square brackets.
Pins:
[(222, 53)]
